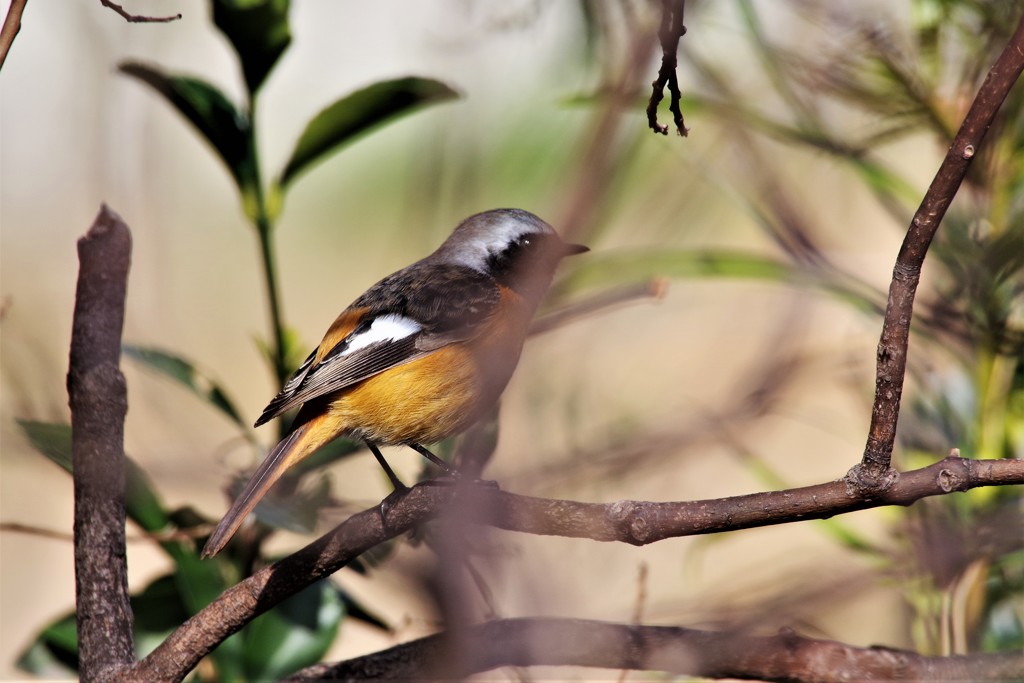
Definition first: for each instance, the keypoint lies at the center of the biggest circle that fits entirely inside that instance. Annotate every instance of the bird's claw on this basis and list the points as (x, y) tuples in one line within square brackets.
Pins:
[(390, 501)]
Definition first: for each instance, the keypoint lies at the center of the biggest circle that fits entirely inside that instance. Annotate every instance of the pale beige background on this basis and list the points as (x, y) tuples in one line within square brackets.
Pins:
[(75, 134)]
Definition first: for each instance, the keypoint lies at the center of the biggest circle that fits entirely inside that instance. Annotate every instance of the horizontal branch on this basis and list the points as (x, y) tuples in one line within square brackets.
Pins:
[(642, 522), (631, 522), (681, 651)]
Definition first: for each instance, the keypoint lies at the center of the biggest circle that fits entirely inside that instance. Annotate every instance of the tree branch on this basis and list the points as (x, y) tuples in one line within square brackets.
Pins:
[(672, 29), (655, 288), (98, 400), (874, 469), (633, 522), (680, 651), (138, 18), (11, 27)]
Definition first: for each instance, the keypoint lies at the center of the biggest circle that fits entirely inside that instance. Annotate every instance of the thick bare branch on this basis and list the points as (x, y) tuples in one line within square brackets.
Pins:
[(874, 470), (681, 651), (98, 399), (633, 522)]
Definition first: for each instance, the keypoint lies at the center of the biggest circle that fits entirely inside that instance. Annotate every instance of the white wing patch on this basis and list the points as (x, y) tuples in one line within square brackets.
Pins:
[(388, 327)]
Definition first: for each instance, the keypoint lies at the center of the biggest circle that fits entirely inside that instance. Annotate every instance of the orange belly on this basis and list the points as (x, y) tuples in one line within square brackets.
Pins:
[(424, 401), (439, 395)]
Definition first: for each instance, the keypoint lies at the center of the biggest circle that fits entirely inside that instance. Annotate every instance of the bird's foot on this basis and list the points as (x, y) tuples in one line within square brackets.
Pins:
[(390, 501)]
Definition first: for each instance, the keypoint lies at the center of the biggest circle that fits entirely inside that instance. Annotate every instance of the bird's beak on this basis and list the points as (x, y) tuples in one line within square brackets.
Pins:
[(573, 249)]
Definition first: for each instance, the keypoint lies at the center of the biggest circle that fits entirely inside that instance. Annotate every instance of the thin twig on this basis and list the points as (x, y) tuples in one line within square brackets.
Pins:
[(12, 24), (655, 288), (41, 532), (874, 469), (671, 30), (633, 522), (162, 537), (99, 402), (785, 656), (138, 18)]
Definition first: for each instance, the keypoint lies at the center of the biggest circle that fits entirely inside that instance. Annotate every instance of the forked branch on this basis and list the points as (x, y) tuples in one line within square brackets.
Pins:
[(634, 522), (874, 470)]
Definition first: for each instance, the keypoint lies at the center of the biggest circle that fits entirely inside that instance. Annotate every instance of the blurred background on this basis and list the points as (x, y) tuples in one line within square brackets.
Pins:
[(814, 132)]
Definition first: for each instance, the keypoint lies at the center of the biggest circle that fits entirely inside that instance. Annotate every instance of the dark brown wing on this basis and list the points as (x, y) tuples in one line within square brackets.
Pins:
[(430, 306)]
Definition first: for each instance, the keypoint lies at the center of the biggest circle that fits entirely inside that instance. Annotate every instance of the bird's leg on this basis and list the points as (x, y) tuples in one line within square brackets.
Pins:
[(434, 459), (400, 489), (453, 473), (396, 483)]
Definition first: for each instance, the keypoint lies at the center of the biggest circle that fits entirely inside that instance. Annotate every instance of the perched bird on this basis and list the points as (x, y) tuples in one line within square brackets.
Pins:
[(420, 356)]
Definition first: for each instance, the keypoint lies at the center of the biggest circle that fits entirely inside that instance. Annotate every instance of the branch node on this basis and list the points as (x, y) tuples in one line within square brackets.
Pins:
[(869, 479), (906, 271), (889, 375), (948, 480), (640, 528), (620, 510), (633, 520)]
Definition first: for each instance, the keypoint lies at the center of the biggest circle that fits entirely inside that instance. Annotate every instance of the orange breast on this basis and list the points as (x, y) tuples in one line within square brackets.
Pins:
[(426, 400), (438, 395)]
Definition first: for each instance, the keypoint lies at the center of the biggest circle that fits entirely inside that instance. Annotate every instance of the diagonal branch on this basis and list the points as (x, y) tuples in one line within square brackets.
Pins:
[(874, 469), (672, 649), (99, 401), (633, 522), (655, 288), (11, 27)]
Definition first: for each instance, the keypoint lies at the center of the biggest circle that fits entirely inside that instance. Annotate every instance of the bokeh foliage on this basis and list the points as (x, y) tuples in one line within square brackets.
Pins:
[(902, 85)]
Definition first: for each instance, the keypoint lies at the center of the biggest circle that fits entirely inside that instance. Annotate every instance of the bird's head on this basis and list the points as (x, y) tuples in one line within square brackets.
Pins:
[(513, 246)]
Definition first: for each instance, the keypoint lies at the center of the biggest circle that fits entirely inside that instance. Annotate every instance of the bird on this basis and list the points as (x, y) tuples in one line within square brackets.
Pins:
[(420, 356)]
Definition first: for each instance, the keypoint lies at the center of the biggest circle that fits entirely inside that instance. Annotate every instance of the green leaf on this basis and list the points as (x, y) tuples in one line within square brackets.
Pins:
[(358, 113), (298, 511), (142, 505), (51, 439), (157, 611), (623, 267), (213, 116), (185, 373), (199, 582), (618, 267), (259, 31), (54, 654), (167, 602), (295, 634)]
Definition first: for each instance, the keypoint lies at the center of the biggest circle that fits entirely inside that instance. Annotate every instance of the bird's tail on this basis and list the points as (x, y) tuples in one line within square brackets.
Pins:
[(300, 443)]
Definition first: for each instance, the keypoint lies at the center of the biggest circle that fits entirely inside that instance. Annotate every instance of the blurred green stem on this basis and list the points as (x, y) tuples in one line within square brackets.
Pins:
[(994, 387), (265, 229)]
